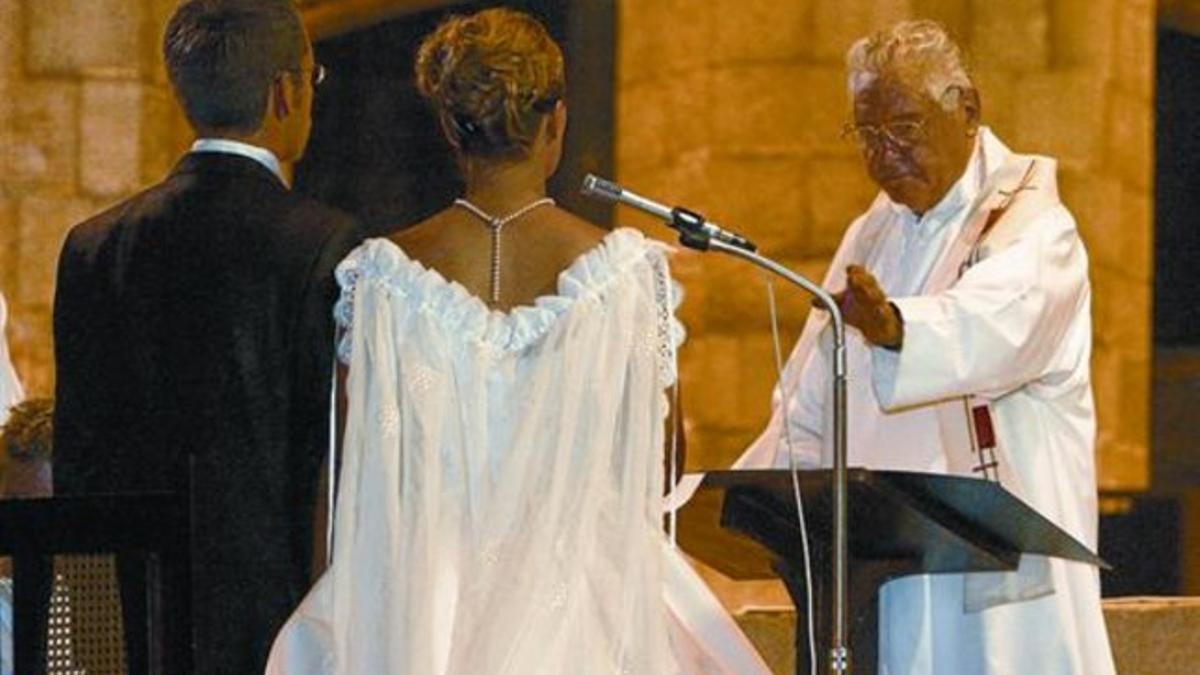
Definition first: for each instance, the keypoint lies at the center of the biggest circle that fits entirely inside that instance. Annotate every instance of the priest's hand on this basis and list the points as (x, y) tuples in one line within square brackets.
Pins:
[(865, 306)]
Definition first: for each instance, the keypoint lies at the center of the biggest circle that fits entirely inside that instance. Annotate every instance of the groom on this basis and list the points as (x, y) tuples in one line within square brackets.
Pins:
[(193, 328)]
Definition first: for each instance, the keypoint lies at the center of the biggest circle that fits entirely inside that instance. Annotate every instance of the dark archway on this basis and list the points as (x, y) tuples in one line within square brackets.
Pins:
[(1176, 394), (1177, 191)]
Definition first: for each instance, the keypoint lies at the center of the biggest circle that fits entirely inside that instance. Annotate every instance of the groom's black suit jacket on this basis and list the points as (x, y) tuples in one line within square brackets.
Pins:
[(193, 341)]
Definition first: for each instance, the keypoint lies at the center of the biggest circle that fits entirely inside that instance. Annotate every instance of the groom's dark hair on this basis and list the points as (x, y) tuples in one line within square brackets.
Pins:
[(223, 55)]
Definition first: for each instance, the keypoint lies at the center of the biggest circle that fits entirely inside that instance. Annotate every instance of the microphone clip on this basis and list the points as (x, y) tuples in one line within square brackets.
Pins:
[(690, 226)]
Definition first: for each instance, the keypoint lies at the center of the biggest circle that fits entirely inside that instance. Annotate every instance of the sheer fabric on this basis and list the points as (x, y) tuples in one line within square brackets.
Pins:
[(11, 391), (499, 504)]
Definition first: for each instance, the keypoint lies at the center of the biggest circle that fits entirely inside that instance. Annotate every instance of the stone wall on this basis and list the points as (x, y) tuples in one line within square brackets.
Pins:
[(730, 107), (734, 109), (86, 119)]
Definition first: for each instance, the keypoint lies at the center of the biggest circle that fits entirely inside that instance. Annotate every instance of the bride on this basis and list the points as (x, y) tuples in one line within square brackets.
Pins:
[(500, 499)]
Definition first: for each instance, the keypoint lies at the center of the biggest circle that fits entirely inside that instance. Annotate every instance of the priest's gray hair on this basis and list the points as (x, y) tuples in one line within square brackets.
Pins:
[(921, 53)]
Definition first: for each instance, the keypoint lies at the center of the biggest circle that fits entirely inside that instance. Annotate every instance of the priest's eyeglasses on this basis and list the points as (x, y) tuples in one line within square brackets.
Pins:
[(902, 134)]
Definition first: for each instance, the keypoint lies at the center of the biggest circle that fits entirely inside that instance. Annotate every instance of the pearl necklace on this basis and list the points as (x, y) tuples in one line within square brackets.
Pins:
[(495, 224)]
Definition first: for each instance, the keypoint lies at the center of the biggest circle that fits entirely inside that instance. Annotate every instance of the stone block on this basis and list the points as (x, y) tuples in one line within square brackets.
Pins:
[(840, 191), (39, 143), (814, 268), (1121, 389), (1128, 320), (1056, 115), (727, 386), (1137, 236), (1095, 201), (160, 144), (734, 445), (710, 366), (1154, 635), (658, 121), (764, 198), (1106, 389), (687, 267), (31, 345), (159, 12), (1120, 467), (953, 14), (11, 45), (661, 37), (1122, 319), (1130, 139), (677, 182), (1081, 33), (1106, 295), (8, 246), (779, 108), (1012, 35), (71, 37), (181, 133), (758, 377), (712, 448), (110, 124), (9, 140), (1121, 312), (637, 51), (735, 298), (44, 223), (1133, 49), (791, 303), (1134, 429), (760, 30), (997, 95), (837, 24)]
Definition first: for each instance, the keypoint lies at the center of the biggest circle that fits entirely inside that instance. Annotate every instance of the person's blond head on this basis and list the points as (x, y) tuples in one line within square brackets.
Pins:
[(492, 77), (26, 449)]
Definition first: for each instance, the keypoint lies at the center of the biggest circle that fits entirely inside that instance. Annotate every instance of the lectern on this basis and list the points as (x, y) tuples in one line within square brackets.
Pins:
[(744, 523)]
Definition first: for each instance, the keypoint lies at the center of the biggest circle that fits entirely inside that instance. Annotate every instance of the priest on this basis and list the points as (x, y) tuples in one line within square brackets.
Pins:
[(966, 284)]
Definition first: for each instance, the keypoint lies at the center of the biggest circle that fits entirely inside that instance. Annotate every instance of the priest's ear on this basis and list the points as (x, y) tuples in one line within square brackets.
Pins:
[(968, 105)]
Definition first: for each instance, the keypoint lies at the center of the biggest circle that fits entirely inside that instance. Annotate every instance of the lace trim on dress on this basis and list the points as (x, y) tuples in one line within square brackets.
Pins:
[(668, 295), (381, 263)]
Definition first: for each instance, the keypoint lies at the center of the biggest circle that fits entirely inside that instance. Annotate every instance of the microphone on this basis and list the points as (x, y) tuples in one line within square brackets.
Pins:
[(691, 225)]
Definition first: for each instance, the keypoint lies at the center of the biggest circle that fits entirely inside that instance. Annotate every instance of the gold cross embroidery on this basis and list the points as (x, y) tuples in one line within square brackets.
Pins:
[(998, 212)]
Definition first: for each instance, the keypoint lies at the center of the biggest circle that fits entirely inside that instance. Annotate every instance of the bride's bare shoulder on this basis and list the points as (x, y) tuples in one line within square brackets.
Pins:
[(575, 229), (426, 238)]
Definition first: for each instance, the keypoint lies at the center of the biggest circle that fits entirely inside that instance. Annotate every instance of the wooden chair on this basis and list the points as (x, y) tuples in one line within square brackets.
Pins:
[(68, 554)]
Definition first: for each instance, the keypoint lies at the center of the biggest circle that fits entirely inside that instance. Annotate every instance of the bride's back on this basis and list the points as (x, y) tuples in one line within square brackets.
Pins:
[(534, 250), (496, 82)]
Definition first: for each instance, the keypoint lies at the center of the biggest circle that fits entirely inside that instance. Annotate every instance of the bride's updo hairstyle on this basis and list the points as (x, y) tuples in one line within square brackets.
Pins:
[(491, 77)]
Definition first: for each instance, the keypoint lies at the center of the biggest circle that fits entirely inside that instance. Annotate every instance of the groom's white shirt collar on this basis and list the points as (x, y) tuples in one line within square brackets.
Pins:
[(231, 147)]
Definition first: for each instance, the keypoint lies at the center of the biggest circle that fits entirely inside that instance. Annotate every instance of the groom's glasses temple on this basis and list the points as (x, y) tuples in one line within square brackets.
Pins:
[(316, 75)]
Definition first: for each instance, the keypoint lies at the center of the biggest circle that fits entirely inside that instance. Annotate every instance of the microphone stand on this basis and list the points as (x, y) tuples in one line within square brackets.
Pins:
[(692, 236)]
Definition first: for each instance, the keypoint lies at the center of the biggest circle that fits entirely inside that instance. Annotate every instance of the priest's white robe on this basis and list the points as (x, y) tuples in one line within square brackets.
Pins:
[(1002, 319)]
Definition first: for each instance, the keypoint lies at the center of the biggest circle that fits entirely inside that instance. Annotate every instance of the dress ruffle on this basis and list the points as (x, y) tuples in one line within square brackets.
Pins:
[(381, 262)]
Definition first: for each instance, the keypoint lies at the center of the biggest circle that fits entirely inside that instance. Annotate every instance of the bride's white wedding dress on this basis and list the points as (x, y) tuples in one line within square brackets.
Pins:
[(499, 504)]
